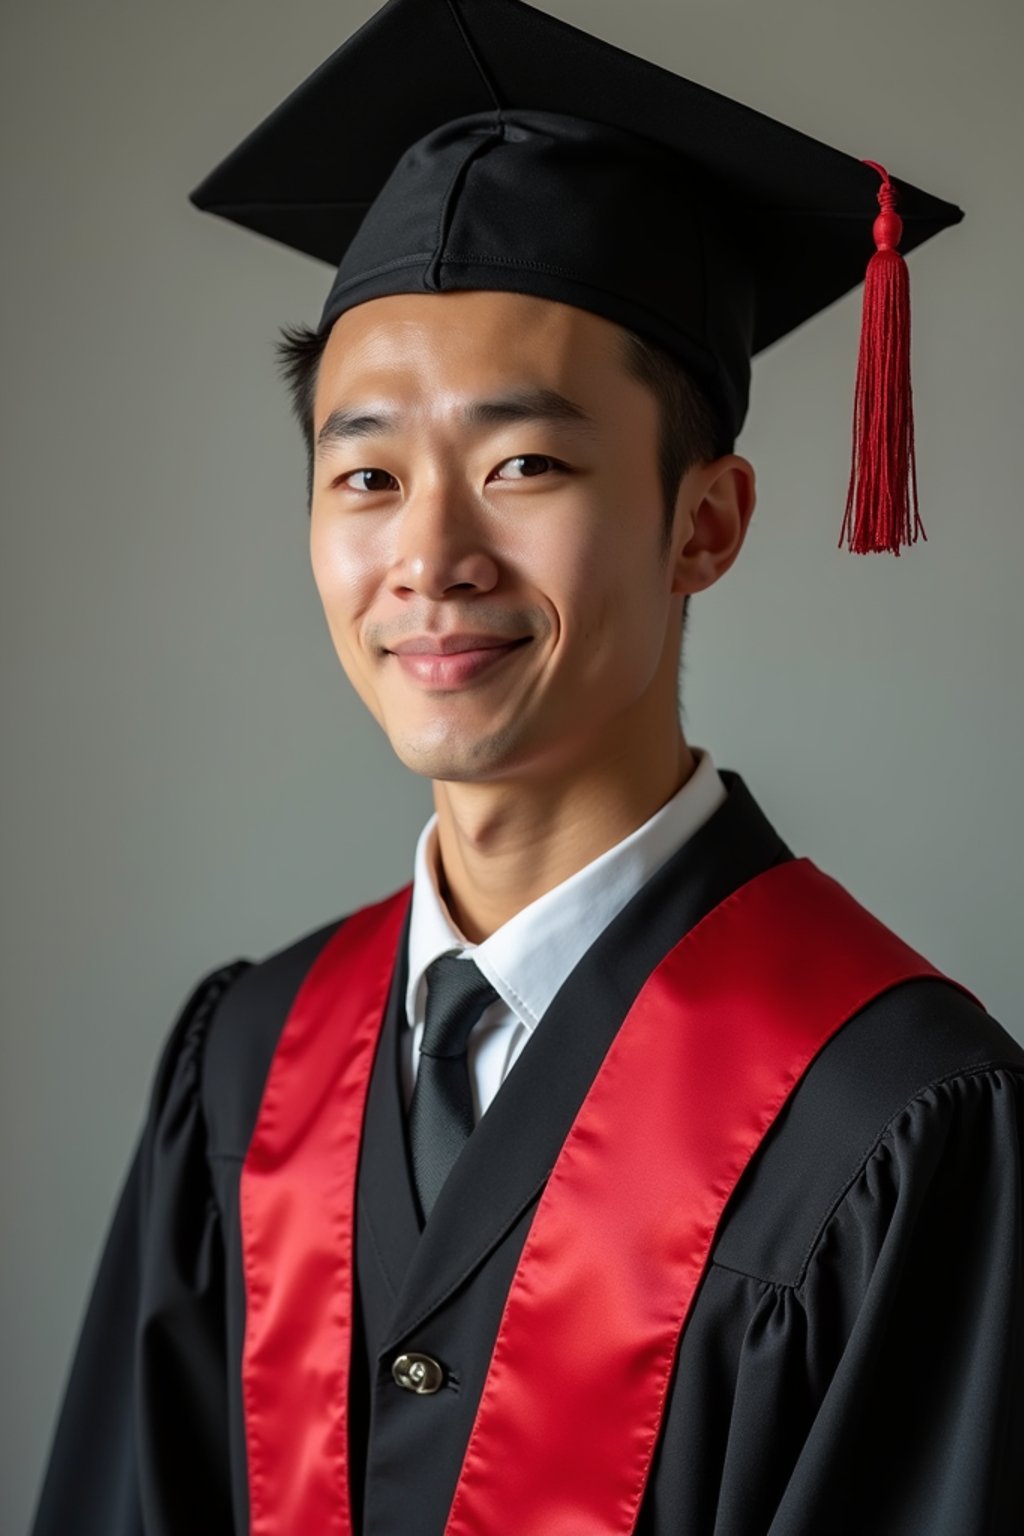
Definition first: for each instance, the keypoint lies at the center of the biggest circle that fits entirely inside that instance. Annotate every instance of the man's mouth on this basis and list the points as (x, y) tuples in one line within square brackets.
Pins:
[(451, 661)]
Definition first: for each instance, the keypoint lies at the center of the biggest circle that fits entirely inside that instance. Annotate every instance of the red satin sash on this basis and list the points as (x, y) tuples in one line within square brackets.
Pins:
[(297, 1201), (718, 1037)]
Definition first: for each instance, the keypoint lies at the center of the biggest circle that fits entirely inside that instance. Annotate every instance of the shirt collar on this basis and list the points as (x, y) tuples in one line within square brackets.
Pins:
[(527, 958)]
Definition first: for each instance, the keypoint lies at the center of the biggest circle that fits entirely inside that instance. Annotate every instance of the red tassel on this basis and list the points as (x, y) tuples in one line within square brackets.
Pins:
[(883, 474)]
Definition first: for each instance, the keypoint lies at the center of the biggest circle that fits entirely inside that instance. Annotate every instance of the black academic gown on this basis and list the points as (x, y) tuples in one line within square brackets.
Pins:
[(854, 1358)]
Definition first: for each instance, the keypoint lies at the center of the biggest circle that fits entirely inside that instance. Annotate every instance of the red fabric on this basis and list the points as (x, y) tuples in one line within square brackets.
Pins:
[(297, 1203), (716, 1040)]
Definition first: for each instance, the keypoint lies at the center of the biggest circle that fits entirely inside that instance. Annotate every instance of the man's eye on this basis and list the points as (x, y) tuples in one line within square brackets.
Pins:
[(528, 459), (352, 474)]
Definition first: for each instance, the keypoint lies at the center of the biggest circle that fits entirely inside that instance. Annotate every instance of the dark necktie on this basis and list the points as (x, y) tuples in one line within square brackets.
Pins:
[(441, 1108)]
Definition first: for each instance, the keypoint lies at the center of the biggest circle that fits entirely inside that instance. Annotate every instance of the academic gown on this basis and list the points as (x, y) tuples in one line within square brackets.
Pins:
[(853, 1360)]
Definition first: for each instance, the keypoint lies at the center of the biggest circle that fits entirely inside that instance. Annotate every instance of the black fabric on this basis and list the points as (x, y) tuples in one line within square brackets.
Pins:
[(484, 144), (854, 1359), (441, 1117)]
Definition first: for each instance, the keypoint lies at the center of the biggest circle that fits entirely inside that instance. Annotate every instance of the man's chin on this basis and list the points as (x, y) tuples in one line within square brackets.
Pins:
[(464, 761)]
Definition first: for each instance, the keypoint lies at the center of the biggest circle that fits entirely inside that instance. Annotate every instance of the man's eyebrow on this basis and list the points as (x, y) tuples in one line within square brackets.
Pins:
[(527, 404)]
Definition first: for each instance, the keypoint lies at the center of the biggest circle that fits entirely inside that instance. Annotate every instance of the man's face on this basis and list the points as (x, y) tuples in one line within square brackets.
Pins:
[(495, 586)]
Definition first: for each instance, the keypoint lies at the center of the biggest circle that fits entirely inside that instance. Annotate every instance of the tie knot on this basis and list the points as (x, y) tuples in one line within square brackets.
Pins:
[(457, 994)]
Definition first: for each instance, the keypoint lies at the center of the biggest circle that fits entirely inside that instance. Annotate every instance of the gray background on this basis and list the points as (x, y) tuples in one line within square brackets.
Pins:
[(191, 778)]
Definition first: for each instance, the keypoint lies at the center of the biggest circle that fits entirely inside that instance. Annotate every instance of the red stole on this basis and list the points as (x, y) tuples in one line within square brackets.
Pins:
[(716, 1040)]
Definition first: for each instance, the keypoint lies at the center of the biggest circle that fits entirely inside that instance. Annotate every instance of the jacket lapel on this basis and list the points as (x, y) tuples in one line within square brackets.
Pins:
[(506, 1161)]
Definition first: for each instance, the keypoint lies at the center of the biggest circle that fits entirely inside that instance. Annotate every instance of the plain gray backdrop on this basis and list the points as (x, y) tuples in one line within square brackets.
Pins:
[(190, 776)]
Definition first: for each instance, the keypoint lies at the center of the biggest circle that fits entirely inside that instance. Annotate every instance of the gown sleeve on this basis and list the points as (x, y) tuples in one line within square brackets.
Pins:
[(904, 1344), (141, 1442)]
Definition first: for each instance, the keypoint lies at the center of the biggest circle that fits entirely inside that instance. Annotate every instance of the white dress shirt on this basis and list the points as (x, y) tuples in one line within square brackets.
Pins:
[(528, 958)]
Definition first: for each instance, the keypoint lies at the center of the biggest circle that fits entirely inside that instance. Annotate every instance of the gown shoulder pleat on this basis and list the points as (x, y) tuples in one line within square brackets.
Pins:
[(880, 1390), (140, 1446)]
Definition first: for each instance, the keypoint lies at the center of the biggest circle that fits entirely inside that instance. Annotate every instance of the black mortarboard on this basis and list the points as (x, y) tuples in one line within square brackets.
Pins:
[(452, 144)]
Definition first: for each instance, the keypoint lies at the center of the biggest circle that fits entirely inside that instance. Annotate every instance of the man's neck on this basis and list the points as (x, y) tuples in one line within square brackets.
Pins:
[(500, 846)]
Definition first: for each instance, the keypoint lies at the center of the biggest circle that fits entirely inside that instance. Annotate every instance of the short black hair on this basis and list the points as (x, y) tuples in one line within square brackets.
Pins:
[(692, 431), (298, 351)]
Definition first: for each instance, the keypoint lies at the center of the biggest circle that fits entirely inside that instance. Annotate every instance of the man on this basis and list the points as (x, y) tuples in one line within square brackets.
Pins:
[(623, 1174)]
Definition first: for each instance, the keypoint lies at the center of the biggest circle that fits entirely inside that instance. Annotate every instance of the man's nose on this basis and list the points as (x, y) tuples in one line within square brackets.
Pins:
[(440, 545)]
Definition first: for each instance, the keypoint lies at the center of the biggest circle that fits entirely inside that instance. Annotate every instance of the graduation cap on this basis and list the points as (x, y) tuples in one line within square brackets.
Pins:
[(484, 144)]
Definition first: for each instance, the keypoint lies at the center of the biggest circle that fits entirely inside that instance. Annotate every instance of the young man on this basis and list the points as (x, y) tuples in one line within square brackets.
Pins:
[(622, 1173)]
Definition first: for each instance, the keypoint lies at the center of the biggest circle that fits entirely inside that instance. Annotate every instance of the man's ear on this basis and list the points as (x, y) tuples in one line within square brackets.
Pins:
[(714, 506)]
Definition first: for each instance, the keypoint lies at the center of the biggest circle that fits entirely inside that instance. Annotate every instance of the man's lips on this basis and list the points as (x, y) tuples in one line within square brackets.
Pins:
[(449, 661), (449, 645)]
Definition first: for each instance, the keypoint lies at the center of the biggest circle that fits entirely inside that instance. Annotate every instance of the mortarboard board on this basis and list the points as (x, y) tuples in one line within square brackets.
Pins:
[(454, 144)]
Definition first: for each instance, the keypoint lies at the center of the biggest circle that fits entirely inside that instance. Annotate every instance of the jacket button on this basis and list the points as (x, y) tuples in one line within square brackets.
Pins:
[(417, 1373)]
